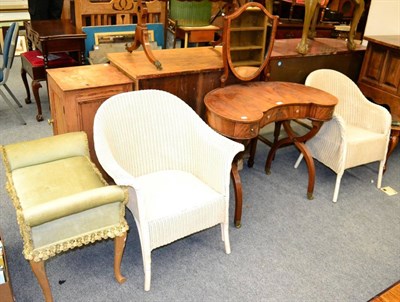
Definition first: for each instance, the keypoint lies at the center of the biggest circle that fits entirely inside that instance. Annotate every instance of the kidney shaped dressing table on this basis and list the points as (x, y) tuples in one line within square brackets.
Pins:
[(240, 111)]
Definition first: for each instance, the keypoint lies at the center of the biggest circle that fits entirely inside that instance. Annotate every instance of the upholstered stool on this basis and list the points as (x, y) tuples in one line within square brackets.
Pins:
[(33, 64), (61, 200)]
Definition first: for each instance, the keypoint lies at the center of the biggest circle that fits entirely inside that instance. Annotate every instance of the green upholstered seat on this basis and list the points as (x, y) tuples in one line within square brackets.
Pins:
[(61, 199)]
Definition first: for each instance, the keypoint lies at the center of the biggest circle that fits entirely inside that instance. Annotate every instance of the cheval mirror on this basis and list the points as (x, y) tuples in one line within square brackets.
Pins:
[(248, 39)]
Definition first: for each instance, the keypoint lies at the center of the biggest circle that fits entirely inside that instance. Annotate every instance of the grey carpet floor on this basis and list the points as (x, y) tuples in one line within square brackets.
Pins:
[(288, 248)]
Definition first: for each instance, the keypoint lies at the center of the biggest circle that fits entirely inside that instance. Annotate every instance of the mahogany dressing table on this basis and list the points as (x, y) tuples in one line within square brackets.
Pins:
[(240, 111)]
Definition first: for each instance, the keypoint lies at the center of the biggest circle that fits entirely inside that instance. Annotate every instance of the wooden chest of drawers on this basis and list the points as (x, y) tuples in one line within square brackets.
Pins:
[(380, 73)]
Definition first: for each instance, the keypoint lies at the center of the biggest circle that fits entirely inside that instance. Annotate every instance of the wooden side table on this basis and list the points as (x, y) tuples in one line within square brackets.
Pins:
[(199, 34), (12, 11)]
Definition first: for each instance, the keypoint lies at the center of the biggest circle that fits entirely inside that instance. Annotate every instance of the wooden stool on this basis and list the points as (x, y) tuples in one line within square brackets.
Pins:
[(192, 34), (33, 64)]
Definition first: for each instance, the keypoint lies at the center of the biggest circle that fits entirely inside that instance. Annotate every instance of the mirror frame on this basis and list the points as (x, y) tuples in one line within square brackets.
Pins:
[(227, 58)]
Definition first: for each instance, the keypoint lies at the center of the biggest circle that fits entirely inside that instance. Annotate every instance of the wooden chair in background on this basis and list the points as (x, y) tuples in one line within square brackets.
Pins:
[(189, 21), (87, 13)]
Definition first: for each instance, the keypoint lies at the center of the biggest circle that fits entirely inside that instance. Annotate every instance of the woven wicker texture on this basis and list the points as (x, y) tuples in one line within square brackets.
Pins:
[(176, 167), (358, 132)]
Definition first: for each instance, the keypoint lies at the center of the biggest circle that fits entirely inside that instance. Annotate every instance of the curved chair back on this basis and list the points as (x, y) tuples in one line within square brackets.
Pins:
[(149, 124), (176, 167), (10, 44), (351, 99), (359, 132)]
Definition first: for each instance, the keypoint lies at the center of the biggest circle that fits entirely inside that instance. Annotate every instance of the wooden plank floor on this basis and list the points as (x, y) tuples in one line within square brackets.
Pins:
[(392, 294)]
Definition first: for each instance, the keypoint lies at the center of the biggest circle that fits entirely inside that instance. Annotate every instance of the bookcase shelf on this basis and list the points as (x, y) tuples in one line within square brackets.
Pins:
[(247, 38)]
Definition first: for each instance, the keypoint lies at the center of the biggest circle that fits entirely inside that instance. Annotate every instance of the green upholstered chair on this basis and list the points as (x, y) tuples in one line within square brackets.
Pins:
[(61, 200)]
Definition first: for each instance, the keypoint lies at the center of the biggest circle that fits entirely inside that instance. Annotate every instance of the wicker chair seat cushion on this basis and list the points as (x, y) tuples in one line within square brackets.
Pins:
[(171, 192), (359, 141)]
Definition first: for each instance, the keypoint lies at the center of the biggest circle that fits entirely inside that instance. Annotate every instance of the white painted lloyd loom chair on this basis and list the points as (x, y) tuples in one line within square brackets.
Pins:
[(358, 133), (176, 167)]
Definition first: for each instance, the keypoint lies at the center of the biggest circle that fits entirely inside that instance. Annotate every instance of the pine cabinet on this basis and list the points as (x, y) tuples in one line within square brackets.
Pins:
[(77, 92)]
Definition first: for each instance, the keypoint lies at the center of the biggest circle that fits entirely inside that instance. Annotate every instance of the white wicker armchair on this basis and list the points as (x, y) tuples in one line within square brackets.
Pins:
[(176, 167), (358, 132)]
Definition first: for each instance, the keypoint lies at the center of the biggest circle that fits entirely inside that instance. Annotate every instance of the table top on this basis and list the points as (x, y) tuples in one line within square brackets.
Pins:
[(386, 40), (14, 16), (174, 61), (240, 111), (199, 28), (285, 48), (187, 60), (10, 5), (54, 29), (87, 77), (248, 102)]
